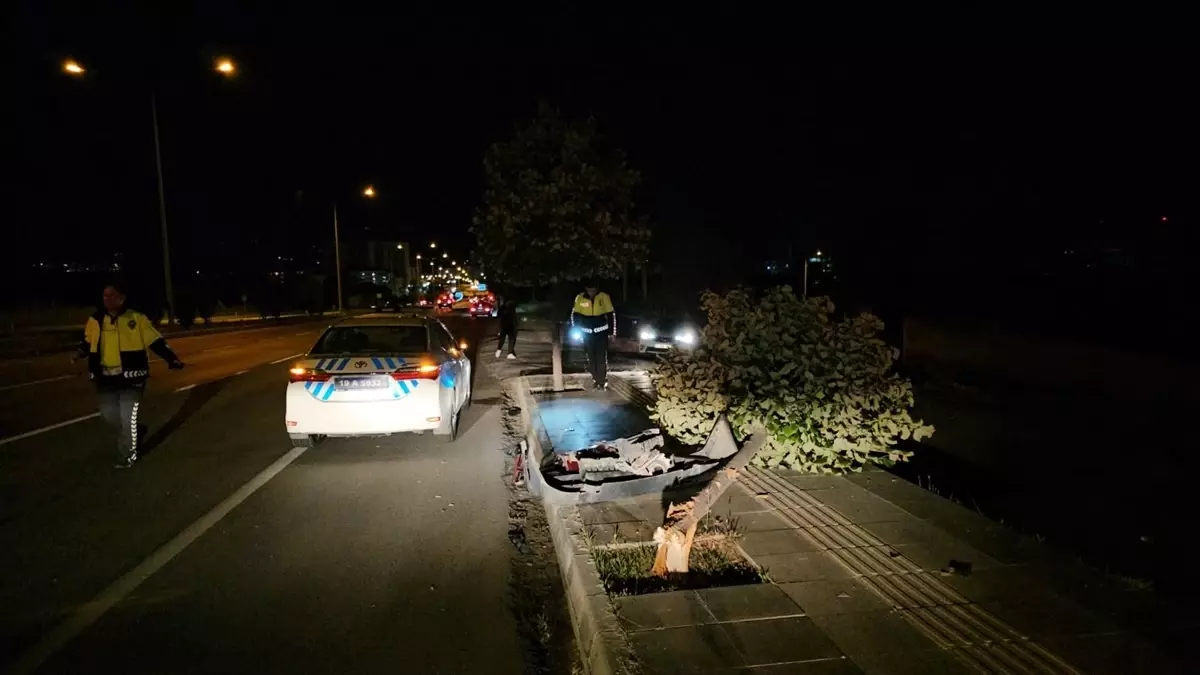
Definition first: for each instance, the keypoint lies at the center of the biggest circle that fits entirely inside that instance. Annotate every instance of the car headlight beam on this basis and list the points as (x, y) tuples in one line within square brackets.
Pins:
[(646, 334), (685, 337)]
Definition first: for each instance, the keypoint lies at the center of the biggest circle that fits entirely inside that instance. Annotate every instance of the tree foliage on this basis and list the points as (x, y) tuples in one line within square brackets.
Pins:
[(824, 389), (558, 205)]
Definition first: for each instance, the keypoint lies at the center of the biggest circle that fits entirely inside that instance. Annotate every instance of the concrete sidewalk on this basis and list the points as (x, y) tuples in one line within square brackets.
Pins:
[(868, 574)]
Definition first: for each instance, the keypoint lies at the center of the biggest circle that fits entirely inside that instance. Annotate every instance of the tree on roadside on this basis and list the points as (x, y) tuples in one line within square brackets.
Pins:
[(813, 393), (557, 206)]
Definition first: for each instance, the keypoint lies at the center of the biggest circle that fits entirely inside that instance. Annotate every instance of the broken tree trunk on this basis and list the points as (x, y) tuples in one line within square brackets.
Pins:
[(675, 537)]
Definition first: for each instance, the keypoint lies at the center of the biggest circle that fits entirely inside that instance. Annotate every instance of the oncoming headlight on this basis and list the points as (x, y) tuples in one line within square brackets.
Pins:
[(646, 334), (686, 337)]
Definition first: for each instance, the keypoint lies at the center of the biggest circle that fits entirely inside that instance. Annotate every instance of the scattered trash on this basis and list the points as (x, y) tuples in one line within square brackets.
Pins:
[(960, 567), (437, 496), (637, 454), (432, 587), (451, 503), (843, 595)]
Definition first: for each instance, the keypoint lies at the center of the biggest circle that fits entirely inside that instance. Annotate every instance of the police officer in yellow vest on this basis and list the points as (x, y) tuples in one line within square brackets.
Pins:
[(115, 341), (594, 315)]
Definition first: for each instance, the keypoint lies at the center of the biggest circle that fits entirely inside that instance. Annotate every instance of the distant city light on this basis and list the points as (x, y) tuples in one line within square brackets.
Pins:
[(399, 247), (1164, 219), (72, 66), (225, 66), (369, 191), (433, 244)]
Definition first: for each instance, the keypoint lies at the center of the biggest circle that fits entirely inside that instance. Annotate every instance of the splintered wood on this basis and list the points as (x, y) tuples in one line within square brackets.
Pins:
[(675, 537)]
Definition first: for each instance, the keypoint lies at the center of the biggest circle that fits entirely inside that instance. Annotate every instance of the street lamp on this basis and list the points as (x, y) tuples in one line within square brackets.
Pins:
[(368, 192), (433, 244), (225, 67)]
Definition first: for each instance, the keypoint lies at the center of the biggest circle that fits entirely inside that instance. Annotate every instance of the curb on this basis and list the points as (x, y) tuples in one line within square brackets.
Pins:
[(598, 634)]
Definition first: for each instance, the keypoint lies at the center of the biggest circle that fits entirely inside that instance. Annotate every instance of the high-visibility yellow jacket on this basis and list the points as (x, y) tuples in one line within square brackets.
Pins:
[(134, 333), (594, 314)]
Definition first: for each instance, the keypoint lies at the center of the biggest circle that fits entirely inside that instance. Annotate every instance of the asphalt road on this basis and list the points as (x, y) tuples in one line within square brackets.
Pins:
[(225, 550)]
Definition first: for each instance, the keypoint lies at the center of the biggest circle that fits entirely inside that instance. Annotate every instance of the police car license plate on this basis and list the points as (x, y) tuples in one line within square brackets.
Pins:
[(354, 383), (662, 345)]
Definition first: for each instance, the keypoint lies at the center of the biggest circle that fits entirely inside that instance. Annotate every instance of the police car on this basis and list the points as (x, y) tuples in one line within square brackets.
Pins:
[(379, 376)]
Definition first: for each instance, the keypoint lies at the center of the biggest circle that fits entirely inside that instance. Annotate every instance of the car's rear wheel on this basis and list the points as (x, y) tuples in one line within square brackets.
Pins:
[(307, 441)]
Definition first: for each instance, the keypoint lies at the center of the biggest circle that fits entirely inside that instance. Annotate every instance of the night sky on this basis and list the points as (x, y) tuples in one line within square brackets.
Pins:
[(917, 169)]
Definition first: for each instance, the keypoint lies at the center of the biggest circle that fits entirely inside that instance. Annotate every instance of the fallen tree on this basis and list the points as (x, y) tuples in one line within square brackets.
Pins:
[(675, 537)]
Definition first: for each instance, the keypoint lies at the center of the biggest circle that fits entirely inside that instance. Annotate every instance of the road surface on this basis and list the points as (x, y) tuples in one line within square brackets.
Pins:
[(225, 550)]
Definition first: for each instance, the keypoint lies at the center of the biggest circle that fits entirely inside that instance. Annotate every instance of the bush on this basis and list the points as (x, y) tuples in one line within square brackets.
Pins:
[(824, 389)]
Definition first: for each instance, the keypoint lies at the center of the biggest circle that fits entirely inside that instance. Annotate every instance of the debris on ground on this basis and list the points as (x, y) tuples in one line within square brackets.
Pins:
[(637, 455), (960, 567)]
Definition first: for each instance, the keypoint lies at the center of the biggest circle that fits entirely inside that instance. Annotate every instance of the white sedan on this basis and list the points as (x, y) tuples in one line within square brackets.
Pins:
[(374, 377)]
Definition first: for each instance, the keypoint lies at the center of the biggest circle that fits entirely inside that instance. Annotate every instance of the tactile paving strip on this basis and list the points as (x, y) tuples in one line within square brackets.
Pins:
[(970, 632)]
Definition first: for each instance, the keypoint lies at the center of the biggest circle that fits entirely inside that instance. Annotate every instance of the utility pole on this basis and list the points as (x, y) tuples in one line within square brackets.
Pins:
[(337, 256), (162, 216)]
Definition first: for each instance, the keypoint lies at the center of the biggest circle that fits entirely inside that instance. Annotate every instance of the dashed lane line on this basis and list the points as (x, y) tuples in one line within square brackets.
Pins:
[(90, 612), (287, 358), (30, 384), (52, 427)]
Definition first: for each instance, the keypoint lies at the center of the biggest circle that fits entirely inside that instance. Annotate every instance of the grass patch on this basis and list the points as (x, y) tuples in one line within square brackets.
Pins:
[(717, 562)]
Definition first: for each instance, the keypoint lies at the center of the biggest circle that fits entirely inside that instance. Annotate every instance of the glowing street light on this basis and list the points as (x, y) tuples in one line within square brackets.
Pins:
[(369, 191), (445, 255), (72, 67), (399, 247), (433, 244), (225, 66)]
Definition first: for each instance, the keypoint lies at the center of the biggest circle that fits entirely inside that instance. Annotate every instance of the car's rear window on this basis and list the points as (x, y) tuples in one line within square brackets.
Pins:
[(372, 340)]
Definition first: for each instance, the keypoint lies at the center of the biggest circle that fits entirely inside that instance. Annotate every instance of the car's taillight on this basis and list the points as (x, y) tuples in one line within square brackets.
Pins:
[(427, 371), (307, 375)]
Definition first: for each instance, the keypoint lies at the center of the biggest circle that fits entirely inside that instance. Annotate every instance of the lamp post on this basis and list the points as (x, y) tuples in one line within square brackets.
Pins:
[(369, 193), (225, 67)]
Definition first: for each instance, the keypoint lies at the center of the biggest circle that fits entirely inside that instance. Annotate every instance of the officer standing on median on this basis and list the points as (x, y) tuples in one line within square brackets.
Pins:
[(594, 315), (115, 340)]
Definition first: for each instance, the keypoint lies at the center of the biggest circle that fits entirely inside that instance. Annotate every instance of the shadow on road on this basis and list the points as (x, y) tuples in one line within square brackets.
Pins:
[(196, 398)]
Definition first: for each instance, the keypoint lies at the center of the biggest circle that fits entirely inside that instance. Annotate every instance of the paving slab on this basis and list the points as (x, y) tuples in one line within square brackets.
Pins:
[(779, 640), (776, 542), (838, 666), (662, 610), (936, 554), (813, 566), (884, 642), (738, 603), (685, 650), (834, 596)]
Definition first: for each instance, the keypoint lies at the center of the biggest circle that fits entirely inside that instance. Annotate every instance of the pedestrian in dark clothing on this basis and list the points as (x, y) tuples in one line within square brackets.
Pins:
[(508, 328), (115, 340)]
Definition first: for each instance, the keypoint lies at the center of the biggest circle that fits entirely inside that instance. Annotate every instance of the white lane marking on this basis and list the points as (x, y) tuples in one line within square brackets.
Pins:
[(217, 349), (287, 358), (240, 372), (185, 388), (52, 427), (88, 613), (307, 332), (30, 384)]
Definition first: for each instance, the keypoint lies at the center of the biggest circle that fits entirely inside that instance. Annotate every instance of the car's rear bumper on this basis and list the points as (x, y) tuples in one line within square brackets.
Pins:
[(421, 410)]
